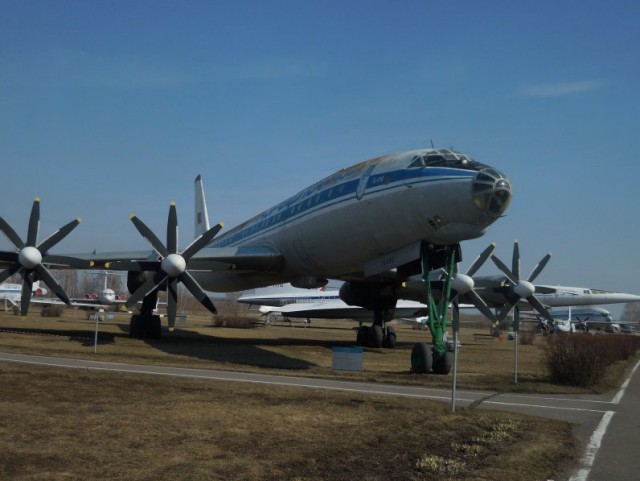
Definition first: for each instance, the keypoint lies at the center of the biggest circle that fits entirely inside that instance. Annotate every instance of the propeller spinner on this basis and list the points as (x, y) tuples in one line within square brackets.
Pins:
[(31, 256)]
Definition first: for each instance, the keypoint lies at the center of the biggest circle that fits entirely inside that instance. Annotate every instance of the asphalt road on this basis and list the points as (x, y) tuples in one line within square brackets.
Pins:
[(608, 425)]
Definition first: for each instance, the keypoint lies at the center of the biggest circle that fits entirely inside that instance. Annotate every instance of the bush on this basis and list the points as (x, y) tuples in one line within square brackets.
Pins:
[(582, 359)]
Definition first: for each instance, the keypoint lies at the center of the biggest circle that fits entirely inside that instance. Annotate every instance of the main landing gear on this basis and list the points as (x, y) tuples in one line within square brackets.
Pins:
[(146, 325), (376, 336), (437, 358)]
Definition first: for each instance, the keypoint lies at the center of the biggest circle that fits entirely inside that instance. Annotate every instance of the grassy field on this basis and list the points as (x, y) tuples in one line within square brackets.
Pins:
[(68, 424), (484, 363)]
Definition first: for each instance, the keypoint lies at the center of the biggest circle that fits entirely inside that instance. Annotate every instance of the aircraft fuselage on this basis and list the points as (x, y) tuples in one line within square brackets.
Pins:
[(331, 229)]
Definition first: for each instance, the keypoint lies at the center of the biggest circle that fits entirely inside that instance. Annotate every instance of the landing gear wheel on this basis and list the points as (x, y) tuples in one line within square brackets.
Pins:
[(154, 327), (421, 358), (390, 339), (362, 339), (443, 364), (375, 336), (137, 327)]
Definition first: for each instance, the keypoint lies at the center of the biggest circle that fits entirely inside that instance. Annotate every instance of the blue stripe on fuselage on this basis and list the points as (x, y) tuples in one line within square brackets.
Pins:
[(321, 196)]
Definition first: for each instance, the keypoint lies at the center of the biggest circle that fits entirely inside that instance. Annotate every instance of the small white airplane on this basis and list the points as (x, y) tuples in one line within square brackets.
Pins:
[(572, 320), (292, 302), (11, 293), (392, 217), (104, 299)]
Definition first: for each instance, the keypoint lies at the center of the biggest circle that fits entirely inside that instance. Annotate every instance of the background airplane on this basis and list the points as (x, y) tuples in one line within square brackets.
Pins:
[(326, 304), (11, 293)]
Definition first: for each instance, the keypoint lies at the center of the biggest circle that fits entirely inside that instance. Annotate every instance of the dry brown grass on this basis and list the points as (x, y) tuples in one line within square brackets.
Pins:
[(74, 425), (485, 363)]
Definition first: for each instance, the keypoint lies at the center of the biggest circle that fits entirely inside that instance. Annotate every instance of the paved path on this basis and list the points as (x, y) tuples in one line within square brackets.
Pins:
[(608, 425)]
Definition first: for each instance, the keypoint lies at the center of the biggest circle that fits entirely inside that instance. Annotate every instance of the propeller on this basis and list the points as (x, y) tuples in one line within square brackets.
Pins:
[(463, 285), (522, 289), (31, 256), (172, 266)]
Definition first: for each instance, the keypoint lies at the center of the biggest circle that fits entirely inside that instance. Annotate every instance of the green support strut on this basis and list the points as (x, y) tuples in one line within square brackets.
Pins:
[(439, 313)]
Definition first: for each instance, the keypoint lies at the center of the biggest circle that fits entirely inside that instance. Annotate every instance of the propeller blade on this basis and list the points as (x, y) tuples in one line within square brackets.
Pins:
[(541, 309), (504, 312), (195, 289), (11, 234), (481, 306), (27, 288), (34, 223), (145, 289), (455, 308), (57, 236), (14, 269), (515, 261), (201, 241), (516, 319), (9, 256), (484, 255), (150, 236), (505, 270), (541, 265), (48, 279), (172, 229), (172, 302)]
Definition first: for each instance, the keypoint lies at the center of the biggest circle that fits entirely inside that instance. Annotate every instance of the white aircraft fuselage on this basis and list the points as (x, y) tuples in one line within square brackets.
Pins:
[(368, 211)]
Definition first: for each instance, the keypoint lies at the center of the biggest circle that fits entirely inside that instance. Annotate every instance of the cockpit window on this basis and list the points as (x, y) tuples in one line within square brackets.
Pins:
[(445, 158)]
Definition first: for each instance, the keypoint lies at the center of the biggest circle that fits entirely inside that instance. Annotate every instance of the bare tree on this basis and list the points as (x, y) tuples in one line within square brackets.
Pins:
[(631, 313)]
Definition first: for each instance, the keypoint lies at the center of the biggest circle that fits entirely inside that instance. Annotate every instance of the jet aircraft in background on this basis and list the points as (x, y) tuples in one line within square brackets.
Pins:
[(326, 304), (372, 225), (11, 293)]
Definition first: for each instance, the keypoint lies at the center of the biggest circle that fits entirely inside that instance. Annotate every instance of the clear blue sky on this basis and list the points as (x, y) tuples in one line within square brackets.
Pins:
[(113, 107)]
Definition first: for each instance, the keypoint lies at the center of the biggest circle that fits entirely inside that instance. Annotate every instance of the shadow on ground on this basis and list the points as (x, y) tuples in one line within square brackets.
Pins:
[(242, 351)]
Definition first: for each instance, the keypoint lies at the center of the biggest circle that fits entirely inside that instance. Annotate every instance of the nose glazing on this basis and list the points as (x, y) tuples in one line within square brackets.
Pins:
[(491, 192)]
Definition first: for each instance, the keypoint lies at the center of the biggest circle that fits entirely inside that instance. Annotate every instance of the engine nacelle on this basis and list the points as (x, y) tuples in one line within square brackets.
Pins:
[(369, 295), (309, 282)]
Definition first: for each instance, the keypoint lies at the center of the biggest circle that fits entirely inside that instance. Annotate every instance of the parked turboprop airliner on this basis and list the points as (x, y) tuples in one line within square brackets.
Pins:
[(372, 225)]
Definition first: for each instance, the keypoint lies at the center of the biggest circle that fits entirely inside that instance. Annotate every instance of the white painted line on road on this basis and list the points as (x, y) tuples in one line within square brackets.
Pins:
[(283, 382), (555, 408), (592, 448), (231, 379), (616, 399)]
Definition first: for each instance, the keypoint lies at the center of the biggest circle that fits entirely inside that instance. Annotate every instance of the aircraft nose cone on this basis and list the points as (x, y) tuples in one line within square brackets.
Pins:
[(491, 192)]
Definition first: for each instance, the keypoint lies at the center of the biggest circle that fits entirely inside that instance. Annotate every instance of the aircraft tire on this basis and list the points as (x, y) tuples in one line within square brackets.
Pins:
[(443, 364), (362, 338), (390, 338), (421, 358), (376, 336), (154, 327), (136, 327)]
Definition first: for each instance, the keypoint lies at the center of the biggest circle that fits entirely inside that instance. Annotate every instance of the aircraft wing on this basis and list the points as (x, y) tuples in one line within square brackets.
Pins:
[(497, 291), (337, 309), (83, 304), (210, 259)]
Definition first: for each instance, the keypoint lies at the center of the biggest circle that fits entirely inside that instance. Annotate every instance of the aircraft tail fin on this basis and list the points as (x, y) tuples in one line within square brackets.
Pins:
[(202, 216)]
